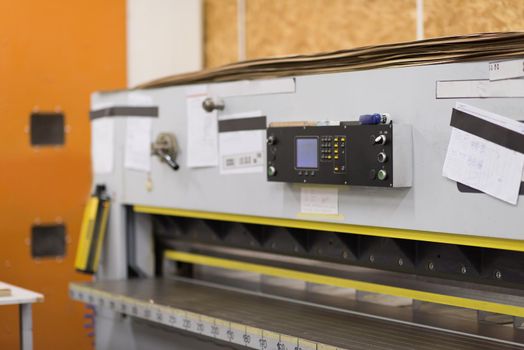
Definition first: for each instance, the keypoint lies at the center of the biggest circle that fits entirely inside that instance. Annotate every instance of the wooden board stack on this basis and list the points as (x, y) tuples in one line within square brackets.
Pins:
[(474, 47)]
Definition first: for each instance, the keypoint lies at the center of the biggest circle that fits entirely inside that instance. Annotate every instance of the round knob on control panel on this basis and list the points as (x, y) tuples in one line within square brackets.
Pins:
[(271, 140), (271, 171), (382, 157), (382, 175), (380, 140)]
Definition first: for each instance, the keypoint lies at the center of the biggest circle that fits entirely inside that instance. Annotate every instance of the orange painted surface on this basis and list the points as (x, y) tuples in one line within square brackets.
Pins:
[(53, 54)]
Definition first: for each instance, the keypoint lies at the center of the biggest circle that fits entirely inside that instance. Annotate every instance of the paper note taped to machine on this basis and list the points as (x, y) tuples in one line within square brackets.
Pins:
[(241, 143), (483, 152)]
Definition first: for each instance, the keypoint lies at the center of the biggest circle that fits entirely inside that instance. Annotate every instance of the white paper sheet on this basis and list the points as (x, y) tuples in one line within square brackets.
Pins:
[(241, 152), (137, 98), (196, 90), (138, 143), (202, 134), (482, 164), (253, 87), (319, 200), (506, 69), (480, 88), (102, 145)]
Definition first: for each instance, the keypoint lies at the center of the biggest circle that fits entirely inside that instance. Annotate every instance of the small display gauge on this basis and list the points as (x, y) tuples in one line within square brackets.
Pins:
[(306, 151)]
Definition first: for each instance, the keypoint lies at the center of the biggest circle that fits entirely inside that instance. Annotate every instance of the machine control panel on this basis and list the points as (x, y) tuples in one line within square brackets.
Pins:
[(345, 154)]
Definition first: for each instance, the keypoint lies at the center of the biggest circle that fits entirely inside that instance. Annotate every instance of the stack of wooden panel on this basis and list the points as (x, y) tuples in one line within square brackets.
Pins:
[(475, 47)]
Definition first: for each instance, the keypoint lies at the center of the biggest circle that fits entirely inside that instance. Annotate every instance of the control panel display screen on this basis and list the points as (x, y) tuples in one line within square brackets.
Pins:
[(306, 153)]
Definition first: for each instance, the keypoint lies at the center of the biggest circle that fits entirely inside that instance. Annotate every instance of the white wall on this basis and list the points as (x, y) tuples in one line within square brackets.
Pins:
[(164, 37)]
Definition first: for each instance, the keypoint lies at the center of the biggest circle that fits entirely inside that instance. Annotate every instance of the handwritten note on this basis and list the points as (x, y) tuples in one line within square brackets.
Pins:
[(138, 143), (202, 134), (484, 165), (241, 151), (319, 200), (102, 145)]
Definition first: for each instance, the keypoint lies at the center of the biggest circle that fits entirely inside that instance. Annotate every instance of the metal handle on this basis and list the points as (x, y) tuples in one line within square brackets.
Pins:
[(210, 104), (165, 148), (169, 160)]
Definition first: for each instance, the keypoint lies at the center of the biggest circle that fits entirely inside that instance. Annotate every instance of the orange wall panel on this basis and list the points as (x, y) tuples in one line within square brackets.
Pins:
[(53, 54)]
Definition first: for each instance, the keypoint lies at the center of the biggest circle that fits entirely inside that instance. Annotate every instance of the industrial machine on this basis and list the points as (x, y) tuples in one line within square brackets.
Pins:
[(277, 214)]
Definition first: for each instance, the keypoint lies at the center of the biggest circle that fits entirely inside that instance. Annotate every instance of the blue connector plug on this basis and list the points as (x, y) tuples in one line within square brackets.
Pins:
[(375, 118)]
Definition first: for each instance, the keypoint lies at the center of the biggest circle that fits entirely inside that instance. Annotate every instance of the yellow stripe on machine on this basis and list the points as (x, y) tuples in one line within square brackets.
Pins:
[(346, 283), (427, 236)]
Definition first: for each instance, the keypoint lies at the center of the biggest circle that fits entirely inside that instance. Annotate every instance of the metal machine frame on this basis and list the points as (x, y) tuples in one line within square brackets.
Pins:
[(191, 261)]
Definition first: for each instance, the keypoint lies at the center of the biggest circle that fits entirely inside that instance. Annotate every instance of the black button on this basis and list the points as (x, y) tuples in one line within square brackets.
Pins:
[(372, 174)]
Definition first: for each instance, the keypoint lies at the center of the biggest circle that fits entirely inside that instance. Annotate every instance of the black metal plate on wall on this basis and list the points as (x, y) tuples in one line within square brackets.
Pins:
[(466, 189), (47, 129), (48, 241), (357, 162)]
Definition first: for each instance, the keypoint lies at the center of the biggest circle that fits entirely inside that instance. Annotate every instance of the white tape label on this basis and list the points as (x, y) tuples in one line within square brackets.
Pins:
[(506, 69)]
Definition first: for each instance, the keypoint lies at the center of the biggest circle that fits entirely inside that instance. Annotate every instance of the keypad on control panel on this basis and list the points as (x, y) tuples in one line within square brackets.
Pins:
[(333, 149)]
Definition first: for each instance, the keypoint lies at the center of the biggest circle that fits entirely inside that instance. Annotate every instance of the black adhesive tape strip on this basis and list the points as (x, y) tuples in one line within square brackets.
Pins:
[(125, 111), (466, 189), (240, 124), (488, 131)]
